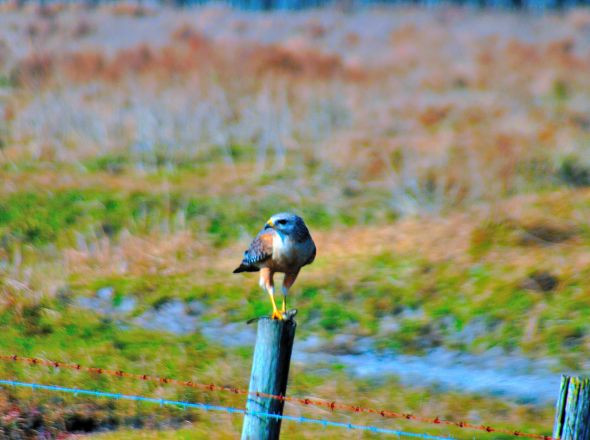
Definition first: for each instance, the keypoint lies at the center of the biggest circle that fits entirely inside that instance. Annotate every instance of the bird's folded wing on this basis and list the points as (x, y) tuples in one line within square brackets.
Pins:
[(260, 249)]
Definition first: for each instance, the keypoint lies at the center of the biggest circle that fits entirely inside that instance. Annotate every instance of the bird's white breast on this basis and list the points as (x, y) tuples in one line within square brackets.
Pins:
[(284, 250), (289, 255), (282, 246)]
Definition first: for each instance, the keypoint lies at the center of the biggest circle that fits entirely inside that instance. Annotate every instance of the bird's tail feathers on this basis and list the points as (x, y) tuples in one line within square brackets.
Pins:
[(245, 268)]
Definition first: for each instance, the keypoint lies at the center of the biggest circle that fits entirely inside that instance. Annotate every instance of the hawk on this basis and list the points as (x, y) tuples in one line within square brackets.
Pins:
[(283, 245)]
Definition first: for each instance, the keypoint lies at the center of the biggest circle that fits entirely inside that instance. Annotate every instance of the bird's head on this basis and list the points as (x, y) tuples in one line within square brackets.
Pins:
[(287, 224)]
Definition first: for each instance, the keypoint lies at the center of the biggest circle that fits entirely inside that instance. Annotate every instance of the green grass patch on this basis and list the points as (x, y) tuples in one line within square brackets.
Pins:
[(39, 218)]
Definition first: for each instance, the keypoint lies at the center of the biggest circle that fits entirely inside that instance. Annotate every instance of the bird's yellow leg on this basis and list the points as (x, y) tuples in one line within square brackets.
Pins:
[(267, 283), (275, 312)]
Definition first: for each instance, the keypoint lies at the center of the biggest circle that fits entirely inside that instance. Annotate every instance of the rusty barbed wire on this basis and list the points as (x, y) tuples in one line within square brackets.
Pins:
[(218, 408), (332, 405)]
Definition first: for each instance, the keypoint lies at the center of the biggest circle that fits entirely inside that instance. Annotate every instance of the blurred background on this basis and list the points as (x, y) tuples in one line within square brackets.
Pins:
[(440, 154)]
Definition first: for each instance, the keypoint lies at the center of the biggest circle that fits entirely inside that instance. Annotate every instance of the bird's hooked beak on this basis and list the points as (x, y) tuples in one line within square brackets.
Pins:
[(269, 224)]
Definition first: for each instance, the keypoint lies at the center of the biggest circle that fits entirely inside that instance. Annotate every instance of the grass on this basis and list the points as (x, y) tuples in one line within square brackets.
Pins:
[(448, 199)]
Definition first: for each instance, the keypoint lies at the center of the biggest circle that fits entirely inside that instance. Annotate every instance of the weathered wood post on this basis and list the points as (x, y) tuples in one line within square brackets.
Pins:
[(572, 412), (270, 371)]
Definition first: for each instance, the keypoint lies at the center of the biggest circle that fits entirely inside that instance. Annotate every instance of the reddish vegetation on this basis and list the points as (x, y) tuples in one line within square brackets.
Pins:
[(128, 8), (277, 59), (433, 115), (84, 65), (34, 69), (192, 53)]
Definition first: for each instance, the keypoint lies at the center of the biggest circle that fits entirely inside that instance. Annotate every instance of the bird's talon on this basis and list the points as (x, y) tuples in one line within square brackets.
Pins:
[(277, 315)]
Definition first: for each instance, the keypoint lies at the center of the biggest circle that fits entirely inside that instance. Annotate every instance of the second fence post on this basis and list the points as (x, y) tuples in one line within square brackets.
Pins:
[(572, 414), (270, 371)]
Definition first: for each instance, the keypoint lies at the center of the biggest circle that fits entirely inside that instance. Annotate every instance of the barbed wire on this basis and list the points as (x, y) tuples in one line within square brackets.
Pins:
[(231, 410), (332, 405)]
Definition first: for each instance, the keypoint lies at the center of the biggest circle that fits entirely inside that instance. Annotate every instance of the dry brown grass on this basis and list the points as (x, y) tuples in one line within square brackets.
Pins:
[(436, 115), (446, 240)]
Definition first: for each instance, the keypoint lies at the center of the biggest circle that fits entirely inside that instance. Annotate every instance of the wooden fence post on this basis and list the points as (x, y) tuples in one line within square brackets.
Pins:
[(270, 371), (572, 413)]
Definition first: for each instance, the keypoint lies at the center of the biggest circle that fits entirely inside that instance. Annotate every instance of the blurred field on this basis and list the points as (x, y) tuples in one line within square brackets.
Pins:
[(441, 158)]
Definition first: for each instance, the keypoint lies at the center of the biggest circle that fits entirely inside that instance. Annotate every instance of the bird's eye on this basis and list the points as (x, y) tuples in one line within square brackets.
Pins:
[(282, 222)]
